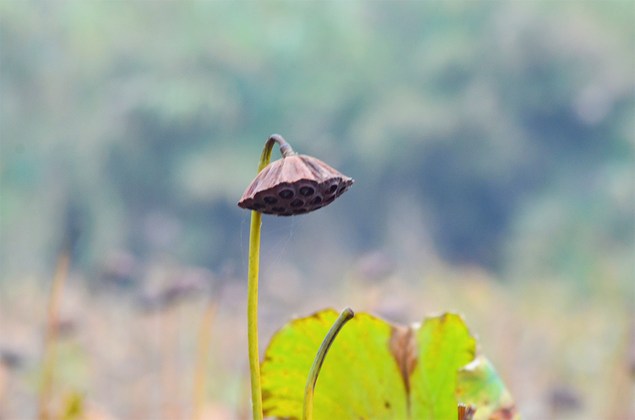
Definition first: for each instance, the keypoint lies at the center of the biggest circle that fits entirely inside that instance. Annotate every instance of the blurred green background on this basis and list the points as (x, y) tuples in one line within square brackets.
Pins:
[(492, 145)]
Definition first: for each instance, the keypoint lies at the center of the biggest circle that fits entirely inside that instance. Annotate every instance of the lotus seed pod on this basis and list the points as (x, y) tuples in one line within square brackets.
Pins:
[(294, 184)]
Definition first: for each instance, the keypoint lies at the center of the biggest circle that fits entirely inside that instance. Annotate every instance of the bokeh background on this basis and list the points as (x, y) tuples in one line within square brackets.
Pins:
[(492, 145)]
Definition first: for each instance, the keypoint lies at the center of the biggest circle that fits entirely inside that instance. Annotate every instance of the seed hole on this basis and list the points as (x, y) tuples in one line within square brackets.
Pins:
[(307, 191), (297, 203), (299, 211), (333, 188), (277, 209), (342, 189), (286, 194), (270, 200), (316, 200), (257, 206)]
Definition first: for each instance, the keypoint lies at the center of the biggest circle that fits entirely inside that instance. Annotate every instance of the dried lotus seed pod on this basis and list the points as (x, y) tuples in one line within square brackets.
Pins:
[(294, 184)]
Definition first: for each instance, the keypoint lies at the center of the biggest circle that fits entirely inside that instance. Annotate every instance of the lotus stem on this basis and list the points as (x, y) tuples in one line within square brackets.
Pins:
[(346, 315), (252, 314), (285, 148), (252, 283)]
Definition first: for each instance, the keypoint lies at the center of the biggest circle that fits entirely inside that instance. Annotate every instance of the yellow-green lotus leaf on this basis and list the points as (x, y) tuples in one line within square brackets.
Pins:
[(480, 386), (444, 346), (359, 378), (375, 370)]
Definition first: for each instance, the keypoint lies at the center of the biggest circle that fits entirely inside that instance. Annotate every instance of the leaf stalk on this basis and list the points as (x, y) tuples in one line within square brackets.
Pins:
[(346, 315)]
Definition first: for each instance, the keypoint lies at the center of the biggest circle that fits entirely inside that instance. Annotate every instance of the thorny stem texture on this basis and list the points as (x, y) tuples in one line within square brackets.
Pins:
[(346, 315), (252, 282)]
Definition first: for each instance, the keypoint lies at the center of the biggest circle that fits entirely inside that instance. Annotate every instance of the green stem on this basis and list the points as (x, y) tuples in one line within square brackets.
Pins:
[(252, 314), (252, 283), (346, 315)]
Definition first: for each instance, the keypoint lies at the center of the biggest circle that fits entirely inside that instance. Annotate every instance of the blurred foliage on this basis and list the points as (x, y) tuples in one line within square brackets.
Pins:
[(488, 122)]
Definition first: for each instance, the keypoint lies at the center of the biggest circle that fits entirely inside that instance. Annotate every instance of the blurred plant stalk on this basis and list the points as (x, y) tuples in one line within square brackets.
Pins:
[(50, 333), (202, 357)]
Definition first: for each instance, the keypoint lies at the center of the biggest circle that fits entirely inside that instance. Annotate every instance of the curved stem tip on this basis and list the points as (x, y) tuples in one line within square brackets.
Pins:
[(346, 315), (285, 148)]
